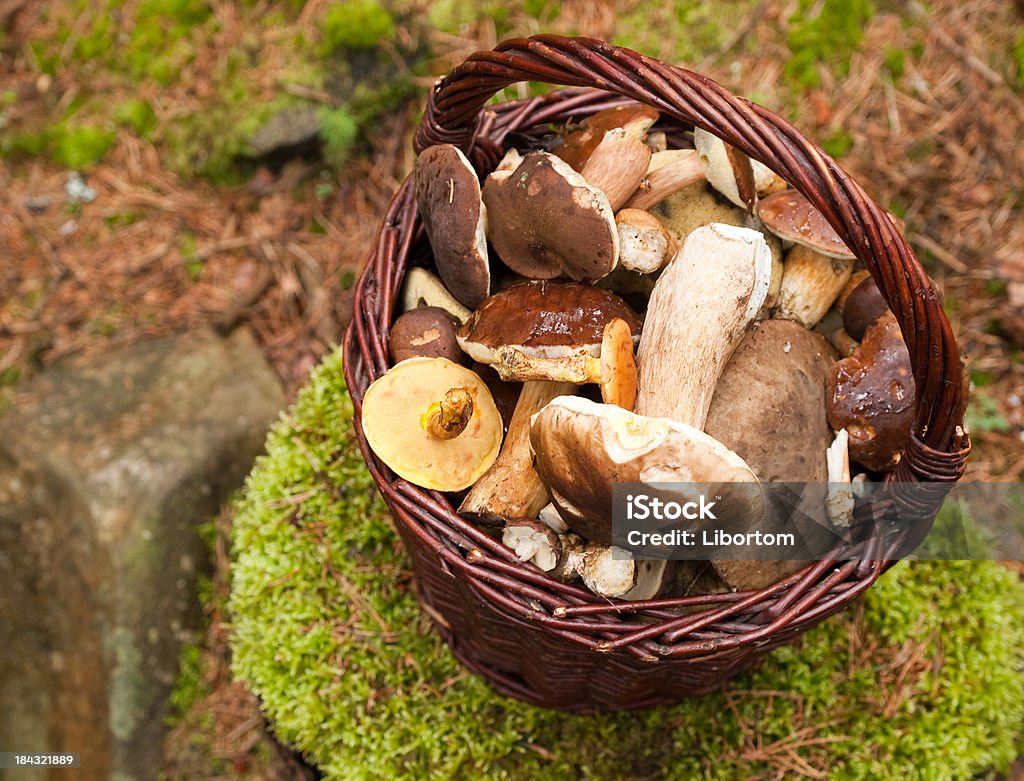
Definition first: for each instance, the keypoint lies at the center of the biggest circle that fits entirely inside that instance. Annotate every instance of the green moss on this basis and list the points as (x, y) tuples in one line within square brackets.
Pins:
[(827, 33), (984, 414), (838, 143), (327, 632), (136, 114), (80, 146), (1018, 59), (355, 24), (190, 685)]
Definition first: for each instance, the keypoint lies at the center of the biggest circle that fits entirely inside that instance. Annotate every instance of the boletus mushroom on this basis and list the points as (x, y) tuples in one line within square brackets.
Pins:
[(818, 265), (433, 423), (582, 448), (421, 288), (769, 409), (871, 394), (547, 334), (448, 199), (545, 220), (739, 178), (425, 332)]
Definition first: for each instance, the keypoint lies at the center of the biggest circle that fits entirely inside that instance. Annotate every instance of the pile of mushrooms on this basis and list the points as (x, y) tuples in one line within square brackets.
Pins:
[(602, 308)]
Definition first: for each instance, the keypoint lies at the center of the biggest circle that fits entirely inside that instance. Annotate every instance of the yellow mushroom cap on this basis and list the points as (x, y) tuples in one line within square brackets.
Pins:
[(395, 410)]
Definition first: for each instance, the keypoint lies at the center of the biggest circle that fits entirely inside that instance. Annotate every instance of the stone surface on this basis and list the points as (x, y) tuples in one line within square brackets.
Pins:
[(106, 469), (288, 128)]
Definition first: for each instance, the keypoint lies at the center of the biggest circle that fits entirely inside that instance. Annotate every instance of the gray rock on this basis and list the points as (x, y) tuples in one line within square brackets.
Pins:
[(106, 468), (285, 129)]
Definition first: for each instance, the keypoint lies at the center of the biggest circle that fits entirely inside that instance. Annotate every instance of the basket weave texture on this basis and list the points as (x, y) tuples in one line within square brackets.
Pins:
[(556, 644)]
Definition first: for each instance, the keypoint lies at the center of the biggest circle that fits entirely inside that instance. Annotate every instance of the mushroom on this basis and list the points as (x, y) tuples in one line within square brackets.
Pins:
[(617, 166), (871, 395), (720, 279), (549, 515), (532, 541), (614, 573), (433, 423), (862, 307), (819, 264), (558, 325), (695, 205), (578, 145), (582, 448), (615, 370), (421, 288), (542, 320), (511, 487), (667, 173), (732, 173), (545, 220), (448, 199), (840, 502), (644, 243), (769, 409), (427, 331)]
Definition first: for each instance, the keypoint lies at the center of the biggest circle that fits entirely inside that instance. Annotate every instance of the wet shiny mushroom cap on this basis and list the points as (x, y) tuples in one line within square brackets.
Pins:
[(871, 394), (448, 199), (790, 216), (545, 319)]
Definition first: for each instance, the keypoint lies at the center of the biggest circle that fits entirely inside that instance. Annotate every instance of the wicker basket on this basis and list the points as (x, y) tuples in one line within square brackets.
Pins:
[(558, 645)]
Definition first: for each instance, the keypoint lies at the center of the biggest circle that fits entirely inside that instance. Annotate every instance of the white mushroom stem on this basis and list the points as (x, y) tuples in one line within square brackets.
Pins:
[(532, 541), (549, 516), (659, 183), (645, 245), (699, 311), (607, 571), (421, 288), (511, 488), (617, 165), (839, 501), (721, 168), (811, 282)]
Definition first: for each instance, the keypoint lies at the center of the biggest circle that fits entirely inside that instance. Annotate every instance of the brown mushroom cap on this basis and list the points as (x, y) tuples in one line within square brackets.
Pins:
[(545, 319), (396, 419), (428, 332), (582, 448), (579, 144), (769, 403), (863, 307), (448, 198), (790, 216), (545, 221), (871, 395)]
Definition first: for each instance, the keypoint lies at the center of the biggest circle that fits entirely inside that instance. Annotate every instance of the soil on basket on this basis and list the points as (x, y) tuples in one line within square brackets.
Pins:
[(926, 109)]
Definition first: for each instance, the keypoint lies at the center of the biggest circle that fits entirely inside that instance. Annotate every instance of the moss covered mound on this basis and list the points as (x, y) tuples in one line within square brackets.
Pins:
[(921, 679)]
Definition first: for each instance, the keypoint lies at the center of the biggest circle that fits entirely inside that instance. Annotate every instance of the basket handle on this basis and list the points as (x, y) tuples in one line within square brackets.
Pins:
[(939, 444)]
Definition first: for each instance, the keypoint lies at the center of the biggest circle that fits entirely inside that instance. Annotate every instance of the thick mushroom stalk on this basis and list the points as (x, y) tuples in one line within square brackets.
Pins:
[(840, 501), (511, 488), (720, 280)]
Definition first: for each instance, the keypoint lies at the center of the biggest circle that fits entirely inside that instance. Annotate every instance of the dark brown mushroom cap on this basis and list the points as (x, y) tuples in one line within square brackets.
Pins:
[(579, 144), (790, 216), (871, 395), (545, 319), (545, 221), (448, 198), (427, 331), (863, 307)]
